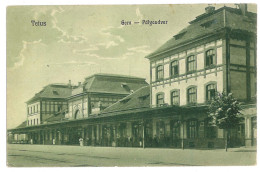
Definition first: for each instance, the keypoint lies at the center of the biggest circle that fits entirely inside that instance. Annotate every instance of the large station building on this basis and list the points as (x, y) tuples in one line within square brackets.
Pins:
[(215, 53)]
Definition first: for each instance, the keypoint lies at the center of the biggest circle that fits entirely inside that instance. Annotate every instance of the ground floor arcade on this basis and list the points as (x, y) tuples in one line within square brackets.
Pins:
[(162, 127)]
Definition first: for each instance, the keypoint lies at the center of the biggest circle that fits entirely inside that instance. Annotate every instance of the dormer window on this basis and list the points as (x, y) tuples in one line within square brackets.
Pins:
[(179, 36), (208, 23), (125, 100), (55, 93)]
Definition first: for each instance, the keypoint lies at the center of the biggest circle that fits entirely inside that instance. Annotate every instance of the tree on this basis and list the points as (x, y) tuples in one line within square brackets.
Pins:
[(224, 112)]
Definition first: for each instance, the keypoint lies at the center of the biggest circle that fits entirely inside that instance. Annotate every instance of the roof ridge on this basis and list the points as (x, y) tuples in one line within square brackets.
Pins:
[(114, 75)]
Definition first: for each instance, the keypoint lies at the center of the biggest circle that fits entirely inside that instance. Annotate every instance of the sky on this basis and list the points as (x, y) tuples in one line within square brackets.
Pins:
[(79, 41)]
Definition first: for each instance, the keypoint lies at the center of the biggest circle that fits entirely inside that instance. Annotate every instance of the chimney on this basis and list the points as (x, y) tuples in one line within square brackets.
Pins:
[(243, 8), (209, 9), (79, 83)]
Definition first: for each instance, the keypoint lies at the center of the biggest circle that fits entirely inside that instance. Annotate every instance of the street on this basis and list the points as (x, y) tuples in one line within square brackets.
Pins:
[(19, 155)]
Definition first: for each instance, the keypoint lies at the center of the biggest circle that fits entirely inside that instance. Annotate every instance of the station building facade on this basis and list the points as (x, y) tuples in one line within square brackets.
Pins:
[(215, 53)]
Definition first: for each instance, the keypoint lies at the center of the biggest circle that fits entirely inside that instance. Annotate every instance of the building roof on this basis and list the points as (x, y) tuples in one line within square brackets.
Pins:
[(136, 100), (113, 84), (115, 75), (56, 118), (22, 125), (53, 91), (210, 23)]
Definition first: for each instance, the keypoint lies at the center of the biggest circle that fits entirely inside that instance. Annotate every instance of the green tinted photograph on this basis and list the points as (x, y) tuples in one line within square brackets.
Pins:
[(131, 85)]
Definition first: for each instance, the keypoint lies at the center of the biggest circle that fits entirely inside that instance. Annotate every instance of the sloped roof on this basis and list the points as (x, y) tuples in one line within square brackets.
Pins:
[(111, 83), (55, 118), (206, 24), (22, 125), (138, 99), (53, 91)]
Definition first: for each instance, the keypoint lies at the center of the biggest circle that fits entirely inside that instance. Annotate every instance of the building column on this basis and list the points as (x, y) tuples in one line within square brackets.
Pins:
[(98, 136), (50, 138), (83, 135), (154, 128), (248, 131), (101, 135), (183, 132), (92, 136), (115, 134), (143, 134)]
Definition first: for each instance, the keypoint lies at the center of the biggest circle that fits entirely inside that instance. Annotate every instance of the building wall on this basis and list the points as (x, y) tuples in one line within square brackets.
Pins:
[(33, 114), (91, 104), (200, 82), (51, 107), (200, 78), (78, 107), (239, 69)]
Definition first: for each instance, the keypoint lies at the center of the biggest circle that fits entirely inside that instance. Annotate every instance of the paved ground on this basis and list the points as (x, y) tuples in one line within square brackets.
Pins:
[(76, 156)]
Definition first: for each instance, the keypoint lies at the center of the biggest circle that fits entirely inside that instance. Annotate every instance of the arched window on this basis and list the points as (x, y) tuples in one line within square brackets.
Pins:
[(210, 58), (159, 72), (191, 64), (192, 95), (174, 68), (76, 114), (210, 91), (175, 97), (160, 99)]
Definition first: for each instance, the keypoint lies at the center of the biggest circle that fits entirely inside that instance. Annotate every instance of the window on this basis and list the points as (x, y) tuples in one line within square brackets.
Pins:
[(180, 35), (210, 92), (191, 64), (28, 109), (28, 122), (208, 23), (43, 106), (52, 106), (159, 72), (176, 129), (192, 129), (47, 107), (160, 99), (37, 121), (210, 58), (175, 98), (33, 109), (160, 127), (33, 121), (55, 93), (59, 108), (192, 95), (56, 107), (174, 68)]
